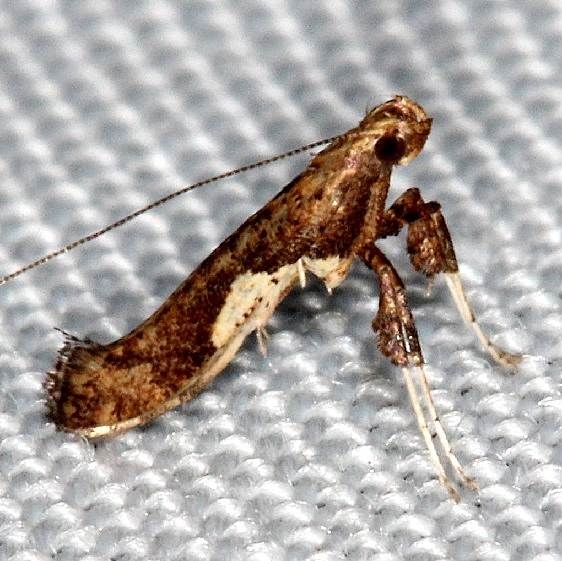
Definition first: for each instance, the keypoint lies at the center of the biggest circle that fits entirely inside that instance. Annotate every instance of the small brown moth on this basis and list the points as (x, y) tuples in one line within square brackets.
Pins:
[(331, 213)]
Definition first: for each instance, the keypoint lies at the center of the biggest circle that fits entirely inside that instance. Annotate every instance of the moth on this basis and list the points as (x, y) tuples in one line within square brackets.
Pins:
[(324, 219)]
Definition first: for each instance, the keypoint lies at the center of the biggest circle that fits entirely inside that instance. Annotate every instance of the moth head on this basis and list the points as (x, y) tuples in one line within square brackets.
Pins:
[(400, 128)]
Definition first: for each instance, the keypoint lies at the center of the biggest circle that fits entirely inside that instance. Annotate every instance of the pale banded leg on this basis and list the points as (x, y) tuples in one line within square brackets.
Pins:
[(263, 337), (505, 358), (431, 252), (440, 431), (398, 340), (424, 429)]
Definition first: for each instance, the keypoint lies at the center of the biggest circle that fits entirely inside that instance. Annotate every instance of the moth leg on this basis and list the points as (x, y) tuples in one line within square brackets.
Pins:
[(302, 273), (398, 340), (431, 251), (263, 338), (501, 356)]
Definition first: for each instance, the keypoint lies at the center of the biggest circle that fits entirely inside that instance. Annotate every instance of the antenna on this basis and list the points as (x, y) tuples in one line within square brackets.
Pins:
[(118, 223)]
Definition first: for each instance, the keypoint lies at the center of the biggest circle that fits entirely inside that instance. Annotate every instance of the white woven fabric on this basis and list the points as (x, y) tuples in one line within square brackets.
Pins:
[(311, 453)]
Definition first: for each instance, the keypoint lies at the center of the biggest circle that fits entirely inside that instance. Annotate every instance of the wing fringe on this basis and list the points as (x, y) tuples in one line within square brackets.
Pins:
[(72, 357)]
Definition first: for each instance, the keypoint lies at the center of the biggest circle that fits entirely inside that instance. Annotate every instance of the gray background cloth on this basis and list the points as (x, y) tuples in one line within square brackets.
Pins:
[(312, 452)]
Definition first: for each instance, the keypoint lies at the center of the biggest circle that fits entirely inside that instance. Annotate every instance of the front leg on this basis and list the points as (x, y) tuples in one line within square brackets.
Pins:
[(398, 340), (431, 251)]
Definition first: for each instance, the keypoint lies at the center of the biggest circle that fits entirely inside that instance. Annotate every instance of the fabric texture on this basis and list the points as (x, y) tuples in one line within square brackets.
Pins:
[(311, 452)]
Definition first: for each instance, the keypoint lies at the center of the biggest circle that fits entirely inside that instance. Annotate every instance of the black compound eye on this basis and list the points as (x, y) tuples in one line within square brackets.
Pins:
[(390, 148)]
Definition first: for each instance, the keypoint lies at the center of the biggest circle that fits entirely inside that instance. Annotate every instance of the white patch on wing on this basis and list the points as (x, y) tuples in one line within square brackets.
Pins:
[(252, 299)]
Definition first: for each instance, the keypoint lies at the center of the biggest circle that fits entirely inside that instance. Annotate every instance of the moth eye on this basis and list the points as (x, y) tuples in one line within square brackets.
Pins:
[(390, 148)]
